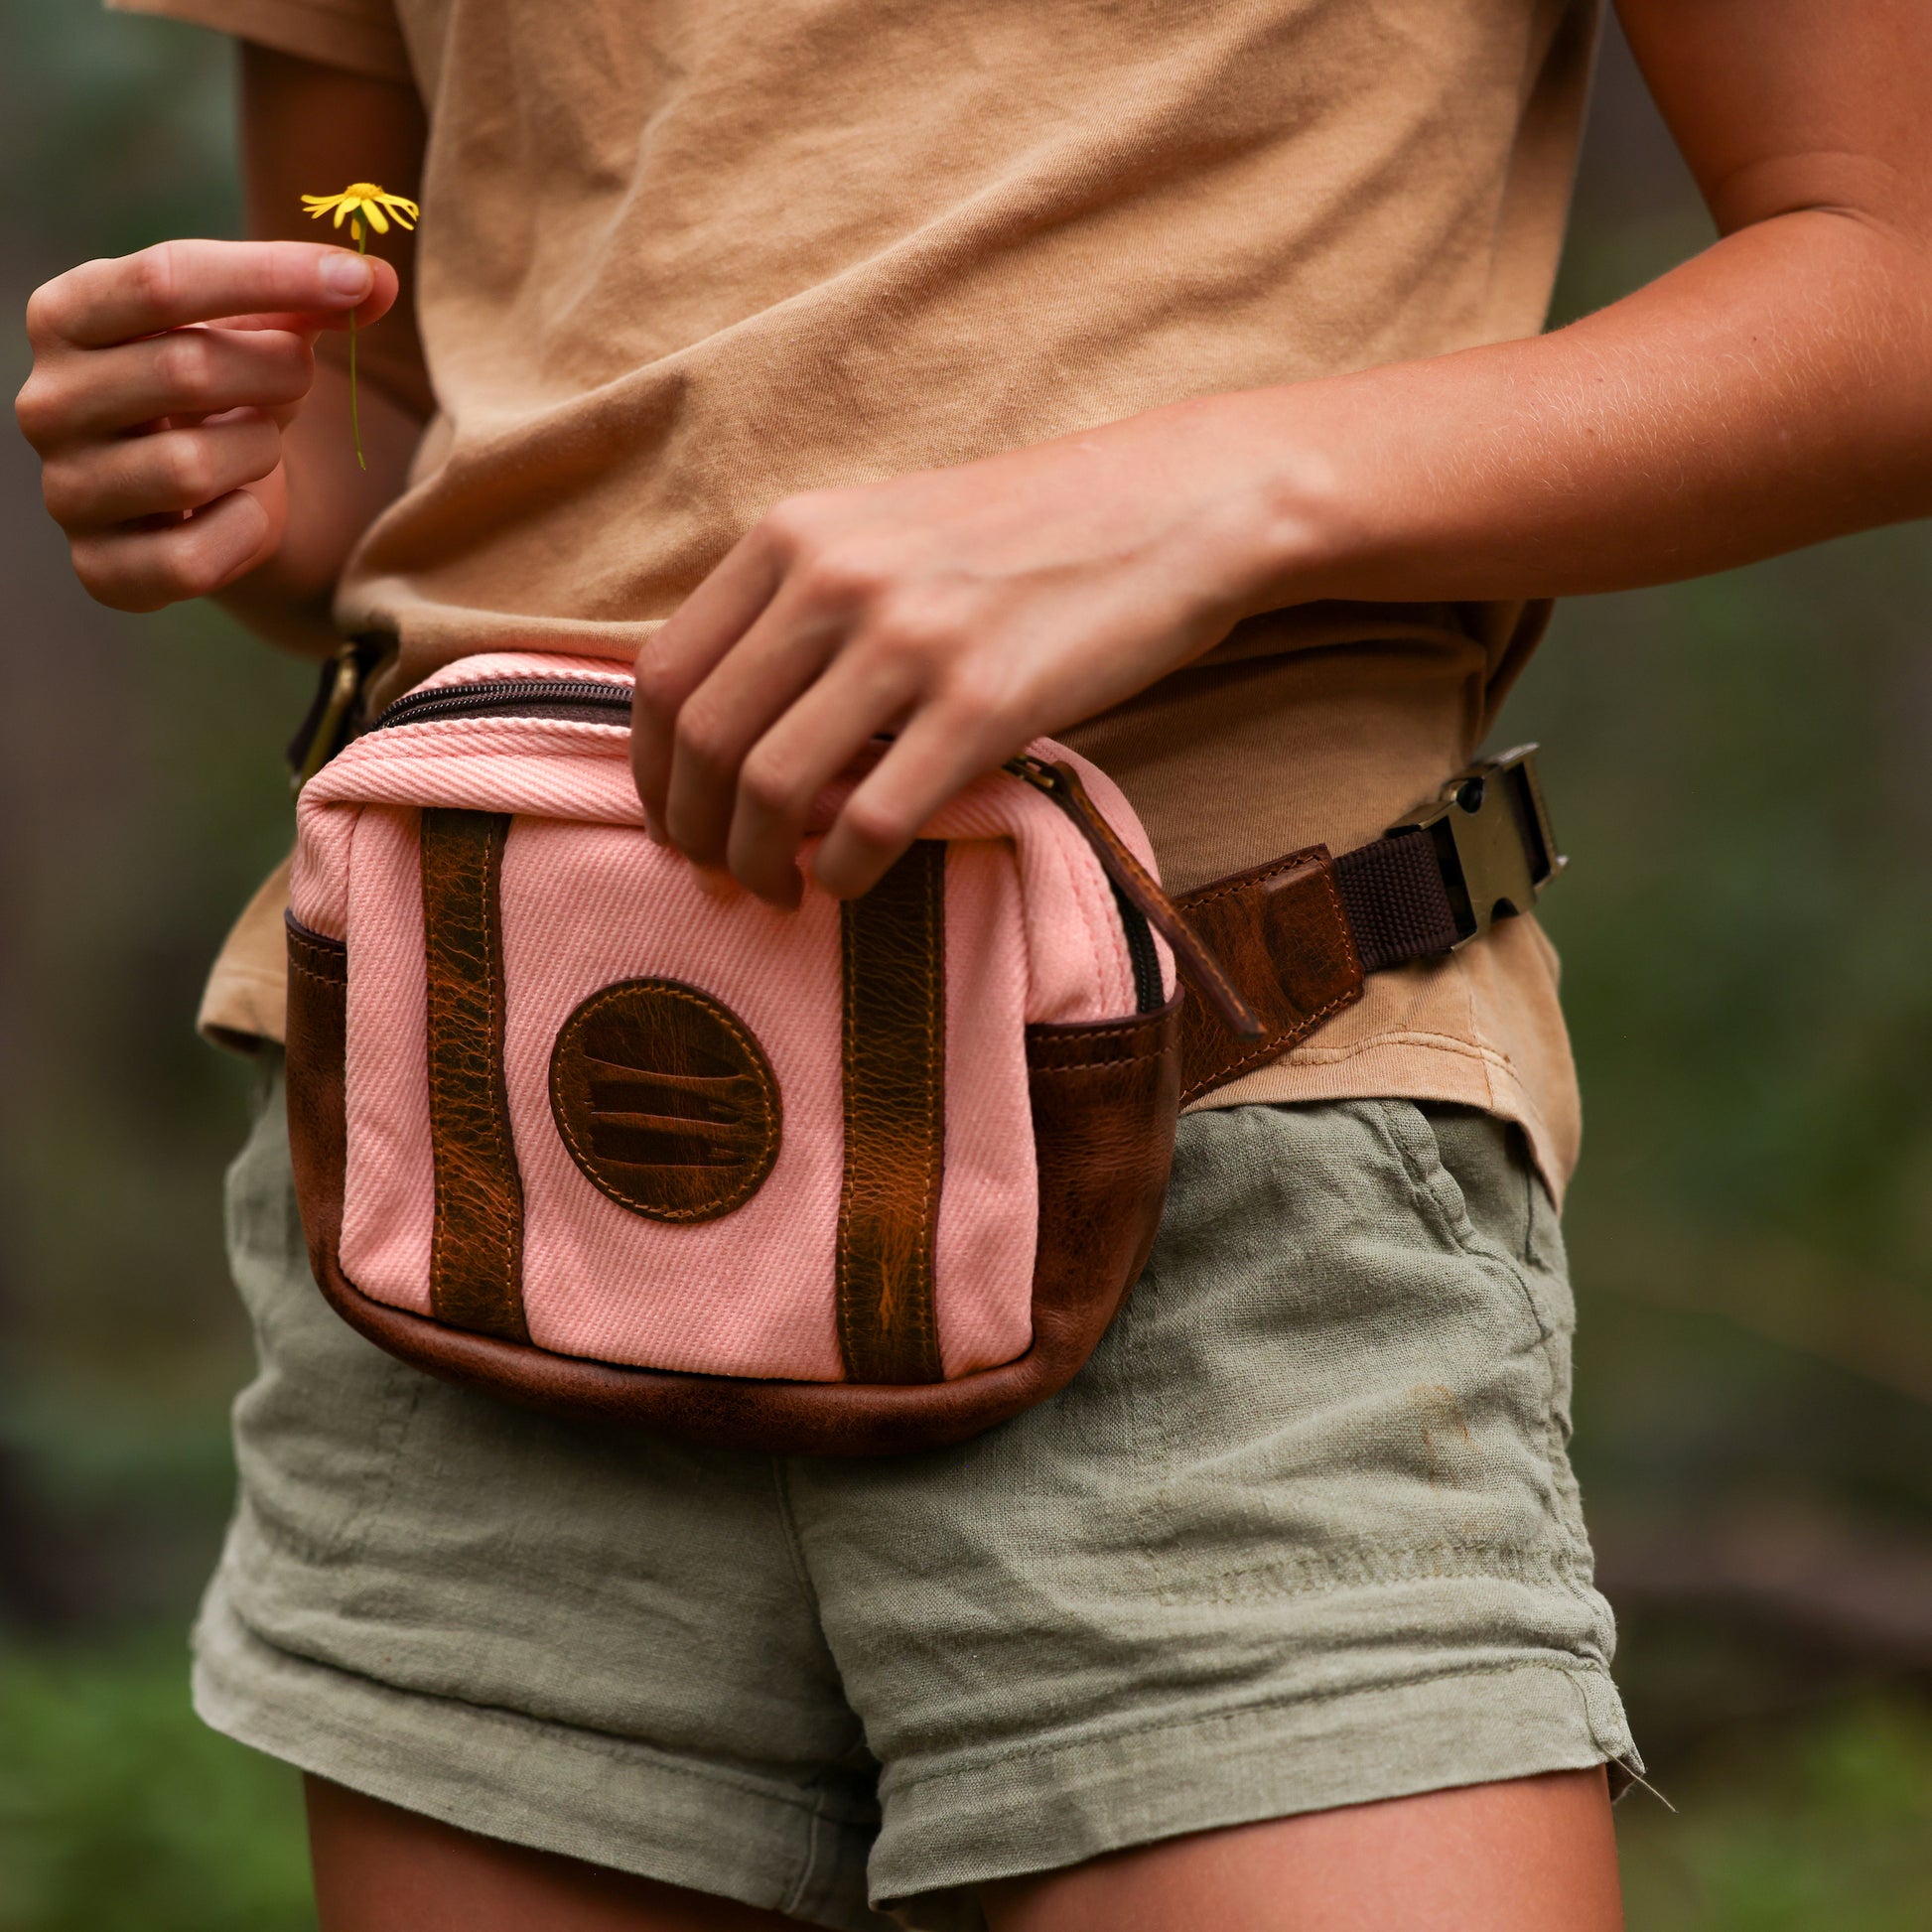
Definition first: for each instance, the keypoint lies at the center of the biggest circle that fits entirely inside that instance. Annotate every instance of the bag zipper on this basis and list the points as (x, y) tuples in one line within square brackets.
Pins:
[(1141, 903), (597, 699), (1148, 994)]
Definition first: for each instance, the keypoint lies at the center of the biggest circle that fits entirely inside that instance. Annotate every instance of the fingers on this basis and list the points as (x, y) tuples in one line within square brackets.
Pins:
[(94, 486), (675, 662), (184, 372), (937, 756), (811, 638), (781, 776), (144, 569), (772, 666), (174, 283), (196, 498)]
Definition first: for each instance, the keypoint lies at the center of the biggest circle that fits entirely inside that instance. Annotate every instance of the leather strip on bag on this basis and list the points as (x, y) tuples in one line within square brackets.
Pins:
[(318, 1045), (893, 944), (476, 1251)]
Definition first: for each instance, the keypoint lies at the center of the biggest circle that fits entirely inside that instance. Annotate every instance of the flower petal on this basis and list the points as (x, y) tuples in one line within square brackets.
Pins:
[(378, 220), (341, 208)]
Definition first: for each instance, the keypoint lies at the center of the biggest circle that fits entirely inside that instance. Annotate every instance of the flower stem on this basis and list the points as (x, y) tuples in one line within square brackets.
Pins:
[(355, 417)]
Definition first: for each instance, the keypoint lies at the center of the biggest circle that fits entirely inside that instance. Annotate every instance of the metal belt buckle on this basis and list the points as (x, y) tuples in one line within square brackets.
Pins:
[(331, 720), (1493, 841)]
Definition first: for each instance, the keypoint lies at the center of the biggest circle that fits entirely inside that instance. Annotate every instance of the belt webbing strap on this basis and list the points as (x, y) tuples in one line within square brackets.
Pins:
[(1397, 903)]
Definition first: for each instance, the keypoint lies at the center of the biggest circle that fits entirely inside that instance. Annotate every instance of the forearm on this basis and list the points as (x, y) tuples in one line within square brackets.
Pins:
[(1774, 391), (1770, 393)]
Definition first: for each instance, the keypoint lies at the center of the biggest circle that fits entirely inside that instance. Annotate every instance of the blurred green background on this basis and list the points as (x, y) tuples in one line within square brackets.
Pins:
[(1738, 768)]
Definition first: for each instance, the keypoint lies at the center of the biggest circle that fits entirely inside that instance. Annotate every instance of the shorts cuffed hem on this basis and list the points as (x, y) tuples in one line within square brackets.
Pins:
[(594, 1796), (1044, 1809)]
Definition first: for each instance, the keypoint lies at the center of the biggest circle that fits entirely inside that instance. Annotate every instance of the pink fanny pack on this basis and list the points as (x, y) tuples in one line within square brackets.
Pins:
[(577, 1124), (575, 1121)]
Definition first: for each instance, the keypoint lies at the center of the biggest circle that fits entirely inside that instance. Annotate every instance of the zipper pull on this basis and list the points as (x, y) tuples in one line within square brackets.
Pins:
[(1204, 972)]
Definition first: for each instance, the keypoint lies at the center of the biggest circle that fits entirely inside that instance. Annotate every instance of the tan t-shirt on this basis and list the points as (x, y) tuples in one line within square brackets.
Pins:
[(682, 258)]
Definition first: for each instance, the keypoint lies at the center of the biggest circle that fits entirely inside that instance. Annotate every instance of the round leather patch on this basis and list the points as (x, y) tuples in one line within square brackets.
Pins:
[(665, 1100)]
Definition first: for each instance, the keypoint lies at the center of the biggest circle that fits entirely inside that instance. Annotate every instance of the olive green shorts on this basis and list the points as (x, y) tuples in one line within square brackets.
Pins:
[(1302, 1534)]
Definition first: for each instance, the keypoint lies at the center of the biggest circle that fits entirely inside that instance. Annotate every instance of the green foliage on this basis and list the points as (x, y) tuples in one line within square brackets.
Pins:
[(1826, 1827), (114, 130), (120, 1812)]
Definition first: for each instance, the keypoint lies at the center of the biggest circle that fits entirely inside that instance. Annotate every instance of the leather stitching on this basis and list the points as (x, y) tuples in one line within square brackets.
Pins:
[(1282, 1038), (1270, 1048), (320, 979), (479, 1190), (895, 1121), (1241, 881), (757, 1170)]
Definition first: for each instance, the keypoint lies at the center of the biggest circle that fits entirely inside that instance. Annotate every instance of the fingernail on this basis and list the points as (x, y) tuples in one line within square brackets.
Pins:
[(342, 274)]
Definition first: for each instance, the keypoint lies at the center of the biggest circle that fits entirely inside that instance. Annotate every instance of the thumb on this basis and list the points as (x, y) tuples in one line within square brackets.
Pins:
[(351, 273)]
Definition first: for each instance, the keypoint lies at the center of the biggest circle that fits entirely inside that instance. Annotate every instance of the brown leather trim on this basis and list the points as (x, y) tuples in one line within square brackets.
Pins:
[(1104, 1104), (476, 1275), (317, 1034), (1104, 1100), (893, 944), (1281, 932), (315, 954), (665, 1100)]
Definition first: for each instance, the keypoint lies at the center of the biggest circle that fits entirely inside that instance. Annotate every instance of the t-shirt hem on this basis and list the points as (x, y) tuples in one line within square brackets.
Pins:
[(241, 1008), (1403, 1064)]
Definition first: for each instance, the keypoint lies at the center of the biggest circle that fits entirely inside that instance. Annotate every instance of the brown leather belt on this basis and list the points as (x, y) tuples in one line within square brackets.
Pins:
[(1269, 953)]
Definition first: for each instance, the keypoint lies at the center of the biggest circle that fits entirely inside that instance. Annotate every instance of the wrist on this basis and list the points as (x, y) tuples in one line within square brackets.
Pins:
[(1270, 520)]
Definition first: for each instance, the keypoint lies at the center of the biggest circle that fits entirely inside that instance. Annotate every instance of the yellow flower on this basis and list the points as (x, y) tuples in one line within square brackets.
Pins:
[(362, 201), (367, 200)]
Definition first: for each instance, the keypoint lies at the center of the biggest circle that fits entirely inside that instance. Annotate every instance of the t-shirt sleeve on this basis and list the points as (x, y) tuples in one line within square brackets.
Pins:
[(359, 35)]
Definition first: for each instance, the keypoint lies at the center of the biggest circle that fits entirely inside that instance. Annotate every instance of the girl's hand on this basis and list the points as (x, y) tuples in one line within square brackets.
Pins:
[(964, 611), (161, 387)]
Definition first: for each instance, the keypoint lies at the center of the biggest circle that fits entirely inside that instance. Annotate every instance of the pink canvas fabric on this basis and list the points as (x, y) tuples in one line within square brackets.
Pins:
[(1032, 933)]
